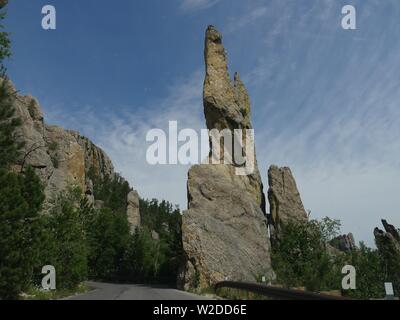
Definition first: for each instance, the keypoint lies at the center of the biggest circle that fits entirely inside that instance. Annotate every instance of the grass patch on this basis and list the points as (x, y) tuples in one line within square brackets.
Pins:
[(237, 294), (35, 293)]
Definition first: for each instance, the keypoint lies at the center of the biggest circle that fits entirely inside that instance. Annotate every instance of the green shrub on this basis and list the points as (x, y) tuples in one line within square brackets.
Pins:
[(301, 259), (370, 274)]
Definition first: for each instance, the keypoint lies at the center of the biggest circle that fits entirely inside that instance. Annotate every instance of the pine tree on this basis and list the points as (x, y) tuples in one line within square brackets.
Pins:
[(65, 246), (108, 239), (5, 44), (13, 269), (9, 147), (21, 197)]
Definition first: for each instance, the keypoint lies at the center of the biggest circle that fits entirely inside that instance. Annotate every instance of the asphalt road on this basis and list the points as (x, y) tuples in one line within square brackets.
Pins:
[(109, 291)]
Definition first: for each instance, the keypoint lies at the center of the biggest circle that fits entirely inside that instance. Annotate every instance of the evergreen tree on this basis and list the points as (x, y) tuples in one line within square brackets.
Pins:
[(9, 147), (66, 247), (108, 239), (5, 44), (390, 262), (147, 257), (14, 267), (21, 197), (155, 260), (112, 190)]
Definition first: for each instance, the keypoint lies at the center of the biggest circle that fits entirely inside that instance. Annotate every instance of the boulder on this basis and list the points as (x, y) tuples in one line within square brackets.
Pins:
[(155, 236)]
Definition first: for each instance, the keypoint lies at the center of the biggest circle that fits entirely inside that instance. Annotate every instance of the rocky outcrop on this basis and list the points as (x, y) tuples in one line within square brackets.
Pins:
[(60, 157), (224, 230), (227, 103), (284, 199), (132, 211), (388, 241), (388, 244), (390, 230), (95, 158), (344, 243)]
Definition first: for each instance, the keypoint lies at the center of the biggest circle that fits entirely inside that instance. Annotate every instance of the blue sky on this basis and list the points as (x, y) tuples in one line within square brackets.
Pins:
[(325, 101)]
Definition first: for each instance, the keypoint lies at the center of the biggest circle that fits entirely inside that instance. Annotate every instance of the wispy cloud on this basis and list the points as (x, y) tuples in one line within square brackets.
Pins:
[(246, 18), (123, 136), (324, 103), (327, 105), (195, 5)]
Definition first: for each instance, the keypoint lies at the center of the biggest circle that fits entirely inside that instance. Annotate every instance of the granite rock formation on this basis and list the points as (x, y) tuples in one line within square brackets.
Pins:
[(344, 243), (388, 244), (227, 103), (284, 199), (224, 230), (389, 239), (133, 212), (60, 157)]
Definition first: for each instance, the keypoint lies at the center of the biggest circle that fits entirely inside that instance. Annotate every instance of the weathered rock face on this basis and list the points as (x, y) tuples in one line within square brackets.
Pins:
[(388, 243), (224, 230), (284, 198), (344, 243), (60, 157), (133, 212), (227, 103), (95, 158)]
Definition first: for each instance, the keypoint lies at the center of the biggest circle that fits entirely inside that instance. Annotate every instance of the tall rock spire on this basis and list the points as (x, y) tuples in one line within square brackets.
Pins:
[(224, 230), (284, 200), (284, 197), (226, 103)]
